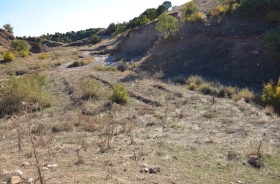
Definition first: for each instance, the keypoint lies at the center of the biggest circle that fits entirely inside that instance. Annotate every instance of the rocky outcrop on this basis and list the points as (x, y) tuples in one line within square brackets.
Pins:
[(6, 38), (36, 48)]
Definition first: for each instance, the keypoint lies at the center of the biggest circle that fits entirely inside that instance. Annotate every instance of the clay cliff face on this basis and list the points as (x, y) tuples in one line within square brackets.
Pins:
[(141, 39), (6, 38)]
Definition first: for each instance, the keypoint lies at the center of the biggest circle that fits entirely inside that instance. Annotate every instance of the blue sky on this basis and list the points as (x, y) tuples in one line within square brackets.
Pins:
[(37, 17)]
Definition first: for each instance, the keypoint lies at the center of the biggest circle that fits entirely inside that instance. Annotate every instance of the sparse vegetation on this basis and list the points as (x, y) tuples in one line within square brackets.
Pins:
[(244, 93), (120, 94), (197, 83), (271, 94), (8, 56), (76, 64), (23, 53), (100, 67), (191, 12), (90, 88), (28, 89), (43, 56), (8, 28)]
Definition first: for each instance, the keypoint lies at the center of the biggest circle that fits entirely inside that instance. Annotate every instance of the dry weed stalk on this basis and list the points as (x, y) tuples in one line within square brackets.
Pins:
[(80, 158), (19, 141), (25, 108)]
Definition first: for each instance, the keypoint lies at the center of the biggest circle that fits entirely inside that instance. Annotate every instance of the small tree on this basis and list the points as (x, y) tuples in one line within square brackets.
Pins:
[(8, 28), (144, 20), (21, 45), (94, 39), (168, 24), (161, 9), (168, 4)]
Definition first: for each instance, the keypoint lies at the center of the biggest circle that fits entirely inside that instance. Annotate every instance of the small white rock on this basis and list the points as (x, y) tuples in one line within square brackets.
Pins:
[(44, 168), (25, 164), (17, 172), (51, 165), (30, 180)]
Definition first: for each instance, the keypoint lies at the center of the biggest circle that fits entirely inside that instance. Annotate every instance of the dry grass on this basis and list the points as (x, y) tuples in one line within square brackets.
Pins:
[(188, 137)]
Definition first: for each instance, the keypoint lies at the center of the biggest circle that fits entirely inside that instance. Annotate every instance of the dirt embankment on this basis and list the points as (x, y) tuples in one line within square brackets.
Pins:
[(6, 38), (223, 48)]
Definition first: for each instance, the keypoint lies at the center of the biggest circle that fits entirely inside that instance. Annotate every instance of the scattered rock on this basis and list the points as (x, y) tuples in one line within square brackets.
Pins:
[(30, 180), (25, 164), (239, 182), (255, 52), (255, 161), (16, 172), (44, 168), (50, 165), (15, 179), (154, 170)]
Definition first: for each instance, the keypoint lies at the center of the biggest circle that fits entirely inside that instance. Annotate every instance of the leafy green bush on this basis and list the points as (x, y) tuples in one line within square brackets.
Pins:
[(27, 89), (167, 23), (272, 43), (94, 39), (271, 94), (43, 56), (23, 53), (8, 56), (191, 12), (190, 9), (120, 94), (21, 45), (90, 88)]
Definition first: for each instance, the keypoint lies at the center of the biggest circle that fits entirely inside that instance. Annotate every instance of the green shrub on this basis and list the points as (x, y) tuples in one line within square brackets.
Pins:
[(195, 79), (94, 39), (195, 17), (21, 45), (120, 94), (208, 88), (23, 53), (8, 56), (90, 88), (63, 127), (272, 43), (229, 91), (271, 94), (244, 93), (190, 9), (43, 56), (76, 64), (25, 89)]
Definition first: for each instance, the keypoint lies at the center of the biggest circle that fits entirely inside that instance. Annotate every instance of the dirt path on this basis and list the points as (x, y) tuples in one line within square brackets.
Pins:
[(106, 60)]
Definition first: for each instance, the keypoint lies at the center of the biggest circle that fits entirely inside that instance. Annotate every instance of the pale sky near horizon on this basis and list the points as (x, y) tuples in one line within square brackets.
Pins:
[(38, 17)]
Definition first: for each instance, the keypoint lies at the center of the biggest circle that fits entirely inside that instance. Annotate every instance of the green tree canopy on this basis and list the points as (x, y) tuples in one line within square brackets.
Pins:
[(191, 8), (8, 28), (144, 20), (168, 4), (21, 45), (161, 9), (167, 23)]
